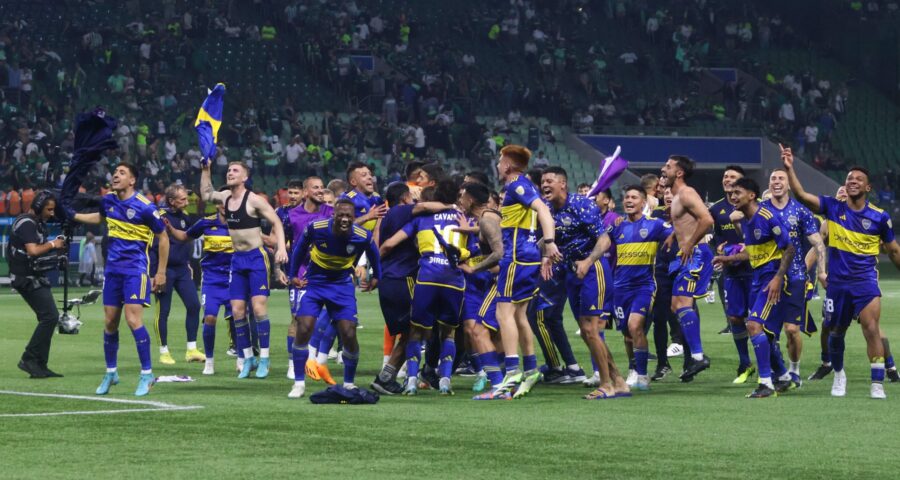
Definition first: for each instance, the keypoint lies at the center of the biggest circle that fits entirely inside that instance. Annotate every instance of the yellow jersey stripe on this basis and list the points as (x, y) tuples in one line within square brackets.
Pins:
[(849, 241), (128, 231)]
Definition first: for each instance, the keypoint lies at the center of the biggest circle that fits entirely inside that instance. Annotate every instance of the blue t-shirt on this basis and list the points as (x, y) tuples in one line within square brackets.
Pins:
[(800, 223), (578, 225)]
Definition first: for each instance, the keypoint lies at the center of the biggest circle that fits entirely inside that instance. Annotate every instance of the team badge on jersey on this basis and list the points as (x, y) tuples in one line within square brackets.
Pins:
[(350, 249), (776, 230), (520, 190), (792, 220), (130, 213), (567, 221), (757, 233), (644, 232), (866, 223)]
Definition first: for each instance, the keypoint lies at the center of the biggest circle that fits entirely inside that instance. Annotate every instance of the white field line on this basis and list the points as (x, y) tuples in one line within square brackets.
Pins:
[(153, 406)]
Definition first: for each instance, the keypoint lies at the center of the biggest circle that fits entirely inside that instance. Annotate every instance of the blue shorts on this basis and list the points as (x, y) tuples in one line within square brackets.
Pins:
[(123, 289), (736, 295), (692, 280), (487, 310), (395, 296), (592, 295), (214, 295), (435, 303), (788, 309), (843, 303), (517, 282), (339, 299), (632, 300), (249, 274)]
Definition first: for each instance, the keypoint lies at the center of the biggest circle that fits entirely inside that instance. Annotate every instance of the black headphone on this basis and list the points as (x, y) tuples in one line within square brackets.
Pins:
[(40, 201)]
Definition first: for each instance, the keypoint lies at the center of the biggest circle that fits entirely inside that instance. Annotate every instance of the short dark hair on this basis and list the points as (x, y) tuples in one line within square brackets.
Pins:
[(345, 201), (354, 166), (637, 188), (305, 181), (647, 179), (446, 191), (556, 170), (736, 168), (860, 168), (535, 175), (479, 192), (296, 183), (479, 176), (583, 185), (495, 196), (395, 192), (684, 163), (748, 184), (434, 171), (427, 194), (132, 168), (411, 167), (777, 169), (607, 192)]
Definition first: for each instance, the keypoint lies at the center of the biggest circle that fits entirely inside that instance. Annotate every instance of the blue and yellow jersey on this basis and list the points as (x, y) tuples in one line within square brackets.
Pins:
[(800, 223), (636, 246), (519, 222), (430, 231), (479, 281), (724, 232), (578, 225), (217, 247), (132, 224), (854, 238), (765, 239), (362, 204), (331, 257)]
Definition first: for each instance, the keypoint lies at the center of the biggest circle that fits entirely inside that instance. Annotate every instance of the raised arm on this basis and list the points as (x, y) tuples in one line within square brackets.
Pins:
[(207, 193), (263, 209), (811, 201)]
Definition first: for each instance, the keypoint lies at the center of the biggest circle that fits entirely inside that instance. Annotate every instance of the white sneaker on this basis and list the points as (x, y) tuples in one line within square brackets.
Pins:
[(340, 357), (290, 372), (711, 296), (333, 353), (675, 350), (592, 381), (632, 378), (239, 363), (401, 375), (297, 390), (209, 368), (839, 387), (642, 383), (877, 391)]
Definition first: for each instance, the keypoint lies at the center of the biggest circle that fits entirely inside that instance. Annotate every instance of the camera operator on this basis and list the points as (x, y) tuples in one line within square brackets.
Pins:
[(31, 255)]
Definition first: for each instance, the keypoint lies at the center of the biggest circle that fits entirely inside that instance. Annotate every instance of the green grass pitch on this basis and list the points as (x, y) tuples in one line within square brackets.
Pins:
[(249, 427)]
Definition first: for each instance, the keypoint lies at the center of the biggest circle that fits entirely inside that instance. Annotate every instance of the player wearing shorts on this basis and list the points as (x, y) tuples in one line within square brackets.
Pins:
[(133, 222), (440, 285), (522, 210), (311, 210), (855, 230), (331, 248), (586, 273), (770, 252), (637, 239), (693, 264), (736, 278), (249, 276), (801, 224), (215, 265)]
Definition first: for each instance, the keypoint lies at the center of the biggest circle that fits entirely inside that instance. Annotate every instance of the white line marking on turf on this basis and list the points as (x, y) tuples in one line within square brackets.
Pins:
[(155, 406)]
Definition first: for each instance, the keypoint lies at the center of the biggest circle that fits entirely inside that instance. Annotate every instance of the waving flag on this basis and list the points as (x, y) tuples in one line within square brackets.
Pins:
[(209, 119), (93, 136), (611, 168)]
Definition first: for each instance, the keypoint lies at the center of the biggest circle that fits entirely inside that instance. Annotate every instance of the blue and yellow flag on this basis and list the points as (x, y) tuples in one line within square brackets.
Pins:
[(209, 119)]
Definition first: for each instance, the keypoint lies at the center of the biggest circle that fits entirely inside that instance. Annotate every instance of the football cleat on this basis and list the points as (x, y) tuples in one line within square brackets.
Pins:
[(782, 386), (444, 387), (510, 381), (554, 376), (528, 382), (575, 375), (480, 384), (209, 368), (386, 388), (839, 384), (110, 379), (262, 371), (642, 383), (246, 367), (892, 375), (762, 391), (661, 373), (796, 381), (821, 372), (297, 390), (193, 355), (144, 383), (325, 374), (694, 368), (412, 388), (877, 391), (744, 372), (494, 394), (166, 359)]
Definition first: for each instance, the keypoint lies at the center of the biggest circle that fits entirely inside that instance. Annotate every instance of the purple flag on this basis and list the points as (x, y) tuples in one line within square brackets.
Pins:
[(610, 169)]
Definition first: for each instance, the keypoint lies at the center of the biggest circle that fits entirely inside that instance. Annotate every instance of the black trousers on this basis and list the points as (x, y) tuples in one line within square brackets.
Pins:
[(40, 299)]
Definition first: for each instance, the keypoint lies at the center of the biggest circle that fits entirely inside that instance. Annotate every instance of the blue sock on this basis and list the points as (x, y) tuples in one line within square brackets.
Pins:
[(491, 363), (889, 362), (142, 341), (290, 344), (739, 333), (300, 354), (778, 368), (878, 370), (529, 362), (448, 353), (690, 329), (322, 322), (351, 360), (475, 358), (327, 338), (413, 357), (242, 337), (111, 348), (641, 356), (263, 328), (836, 349), (209, 340), (761, 349), (594, 364), (512, 363)]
